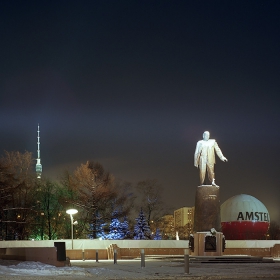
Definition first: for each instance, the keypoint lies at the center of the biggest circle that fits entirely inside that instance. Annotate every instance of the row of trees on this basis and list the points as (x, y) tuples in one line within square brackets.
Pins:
[(32, 208), (120, 229)]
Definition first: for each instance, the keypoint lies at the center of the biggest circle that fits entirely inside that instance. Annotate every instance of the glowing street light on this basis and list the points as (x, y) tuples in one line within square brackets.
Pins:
[(71, 212)]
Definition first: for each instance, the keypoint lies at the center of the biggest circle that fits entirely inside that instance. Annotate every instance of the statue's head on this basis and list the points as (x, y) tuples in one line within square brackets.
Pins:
[(206, 135)]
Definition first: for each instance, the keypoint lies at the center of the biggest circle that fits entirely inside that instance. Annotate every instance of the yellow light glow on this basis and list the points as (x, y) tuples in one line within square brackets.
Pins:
[(72, 211)]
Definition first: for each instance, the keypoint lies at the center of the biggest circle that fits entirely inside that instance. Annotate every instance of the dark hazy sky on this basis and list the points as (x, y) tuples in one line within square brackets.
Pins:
[(133, 85)]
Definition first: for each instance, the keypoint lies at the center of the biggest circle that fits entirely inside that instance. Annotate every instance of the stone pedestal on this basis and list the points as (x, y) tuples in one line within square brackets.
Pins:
[(206, 245), (207, 217), (207, 208)]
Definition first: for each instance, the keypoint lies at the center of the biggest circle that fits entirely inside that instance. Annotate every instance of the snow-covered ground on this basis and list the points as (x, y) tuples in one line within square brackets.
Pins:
[(154, 269), (9, 267)]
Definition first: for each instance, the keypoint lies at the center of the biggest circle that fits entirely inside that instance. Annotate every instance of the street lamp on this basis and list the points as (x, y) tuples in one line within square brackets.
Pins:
[(71, 212)]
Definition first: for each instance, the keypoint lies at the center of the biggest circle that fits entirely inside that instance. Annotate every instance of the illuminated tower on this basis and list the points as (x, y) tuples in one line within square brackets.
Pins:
[(38, 163)]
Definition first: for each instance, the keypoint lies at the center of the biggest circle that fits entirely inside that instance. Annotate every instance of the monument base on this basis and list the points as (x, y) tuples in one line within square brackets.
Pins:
[(207, 239), (206, 244), (207, 208)]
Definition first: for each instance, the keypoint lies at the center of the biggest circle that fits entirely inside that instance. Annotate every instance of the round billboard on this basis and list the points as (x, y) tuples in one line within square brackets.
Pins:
[(244, 217)]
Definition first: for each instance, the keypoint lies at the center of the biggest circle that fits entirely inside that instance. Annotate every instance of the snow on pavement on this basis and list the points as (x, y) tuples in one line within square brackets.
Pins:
[(36, 268), (132, 270)]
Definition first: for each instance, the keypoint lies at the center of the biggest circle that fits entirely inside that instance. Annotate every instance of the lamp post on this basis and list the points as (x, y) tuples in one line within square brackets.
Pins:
[(71, 212)]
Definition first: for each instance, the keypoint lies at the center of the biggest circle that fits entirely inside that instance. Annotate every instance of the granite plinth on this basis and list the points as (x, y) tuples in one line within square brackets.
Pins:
[(207, 208), (200, 244)]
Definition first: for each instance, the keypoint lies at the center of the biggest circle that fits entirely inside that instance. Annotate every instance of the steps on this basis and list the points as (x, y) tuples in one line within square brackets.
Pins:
[(230, 259), (213, 259)]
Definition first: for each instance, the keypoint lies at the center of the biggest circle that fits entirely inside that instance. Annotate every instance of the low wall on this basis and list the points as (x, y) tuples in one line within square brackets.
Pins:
[(251, 243), (122, 253), (131, 253), (98, 244), (86, 249), (104, 244), (87, 254), (127, 253), (275, 251), (256, 252)]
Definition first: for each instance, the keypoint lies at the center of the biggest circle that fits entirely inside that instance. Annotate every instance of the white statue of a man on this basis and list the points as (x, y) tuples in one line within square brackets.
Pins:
[(204, 157)]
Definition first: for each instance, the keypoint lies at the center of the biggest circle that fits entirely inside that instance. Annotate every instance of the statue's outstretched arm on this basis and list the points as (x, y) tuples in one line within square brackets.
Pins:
[(219, 152)]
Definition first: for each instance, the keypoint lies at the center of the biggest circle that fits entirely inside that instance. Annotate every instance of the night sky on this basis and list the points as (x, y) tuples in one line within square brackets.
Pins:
[(133, 85)]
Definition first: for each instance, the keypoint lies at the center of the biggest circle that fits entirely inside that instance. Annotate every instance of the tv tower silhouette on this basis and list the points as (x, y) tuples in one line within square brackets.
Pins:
[(38, 163)]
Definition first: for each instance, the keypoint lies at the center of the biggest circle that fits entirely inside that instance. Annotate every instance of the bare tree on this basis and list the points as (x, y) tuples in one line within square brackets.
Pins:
[(96, 194), (150, 199), (166, 226), (50, 212), (18, 186)]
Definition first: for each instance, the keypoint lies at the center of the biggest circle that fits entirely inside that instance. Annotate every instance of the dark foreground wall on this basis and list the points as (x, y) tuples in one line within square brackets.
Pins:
[(46, 255)]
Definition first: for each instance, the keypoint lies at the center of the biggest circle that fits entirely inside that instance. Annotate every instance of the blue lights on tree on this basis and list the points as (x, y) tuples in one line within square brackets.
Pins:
[(141, 229), (157, 235), (125, 228), (98, 228), (115, 227)]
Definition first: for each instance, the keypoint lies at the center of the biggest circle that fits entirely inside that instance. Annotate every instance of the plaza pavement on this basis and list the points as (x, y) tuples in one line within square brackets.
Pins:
[(160, 269), (172, 269)]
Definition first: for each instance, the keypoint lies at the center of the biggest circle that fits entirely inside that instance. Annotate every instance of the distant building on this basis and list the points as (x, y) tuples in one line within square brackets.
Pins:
[(183, 216), (184, 220)]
